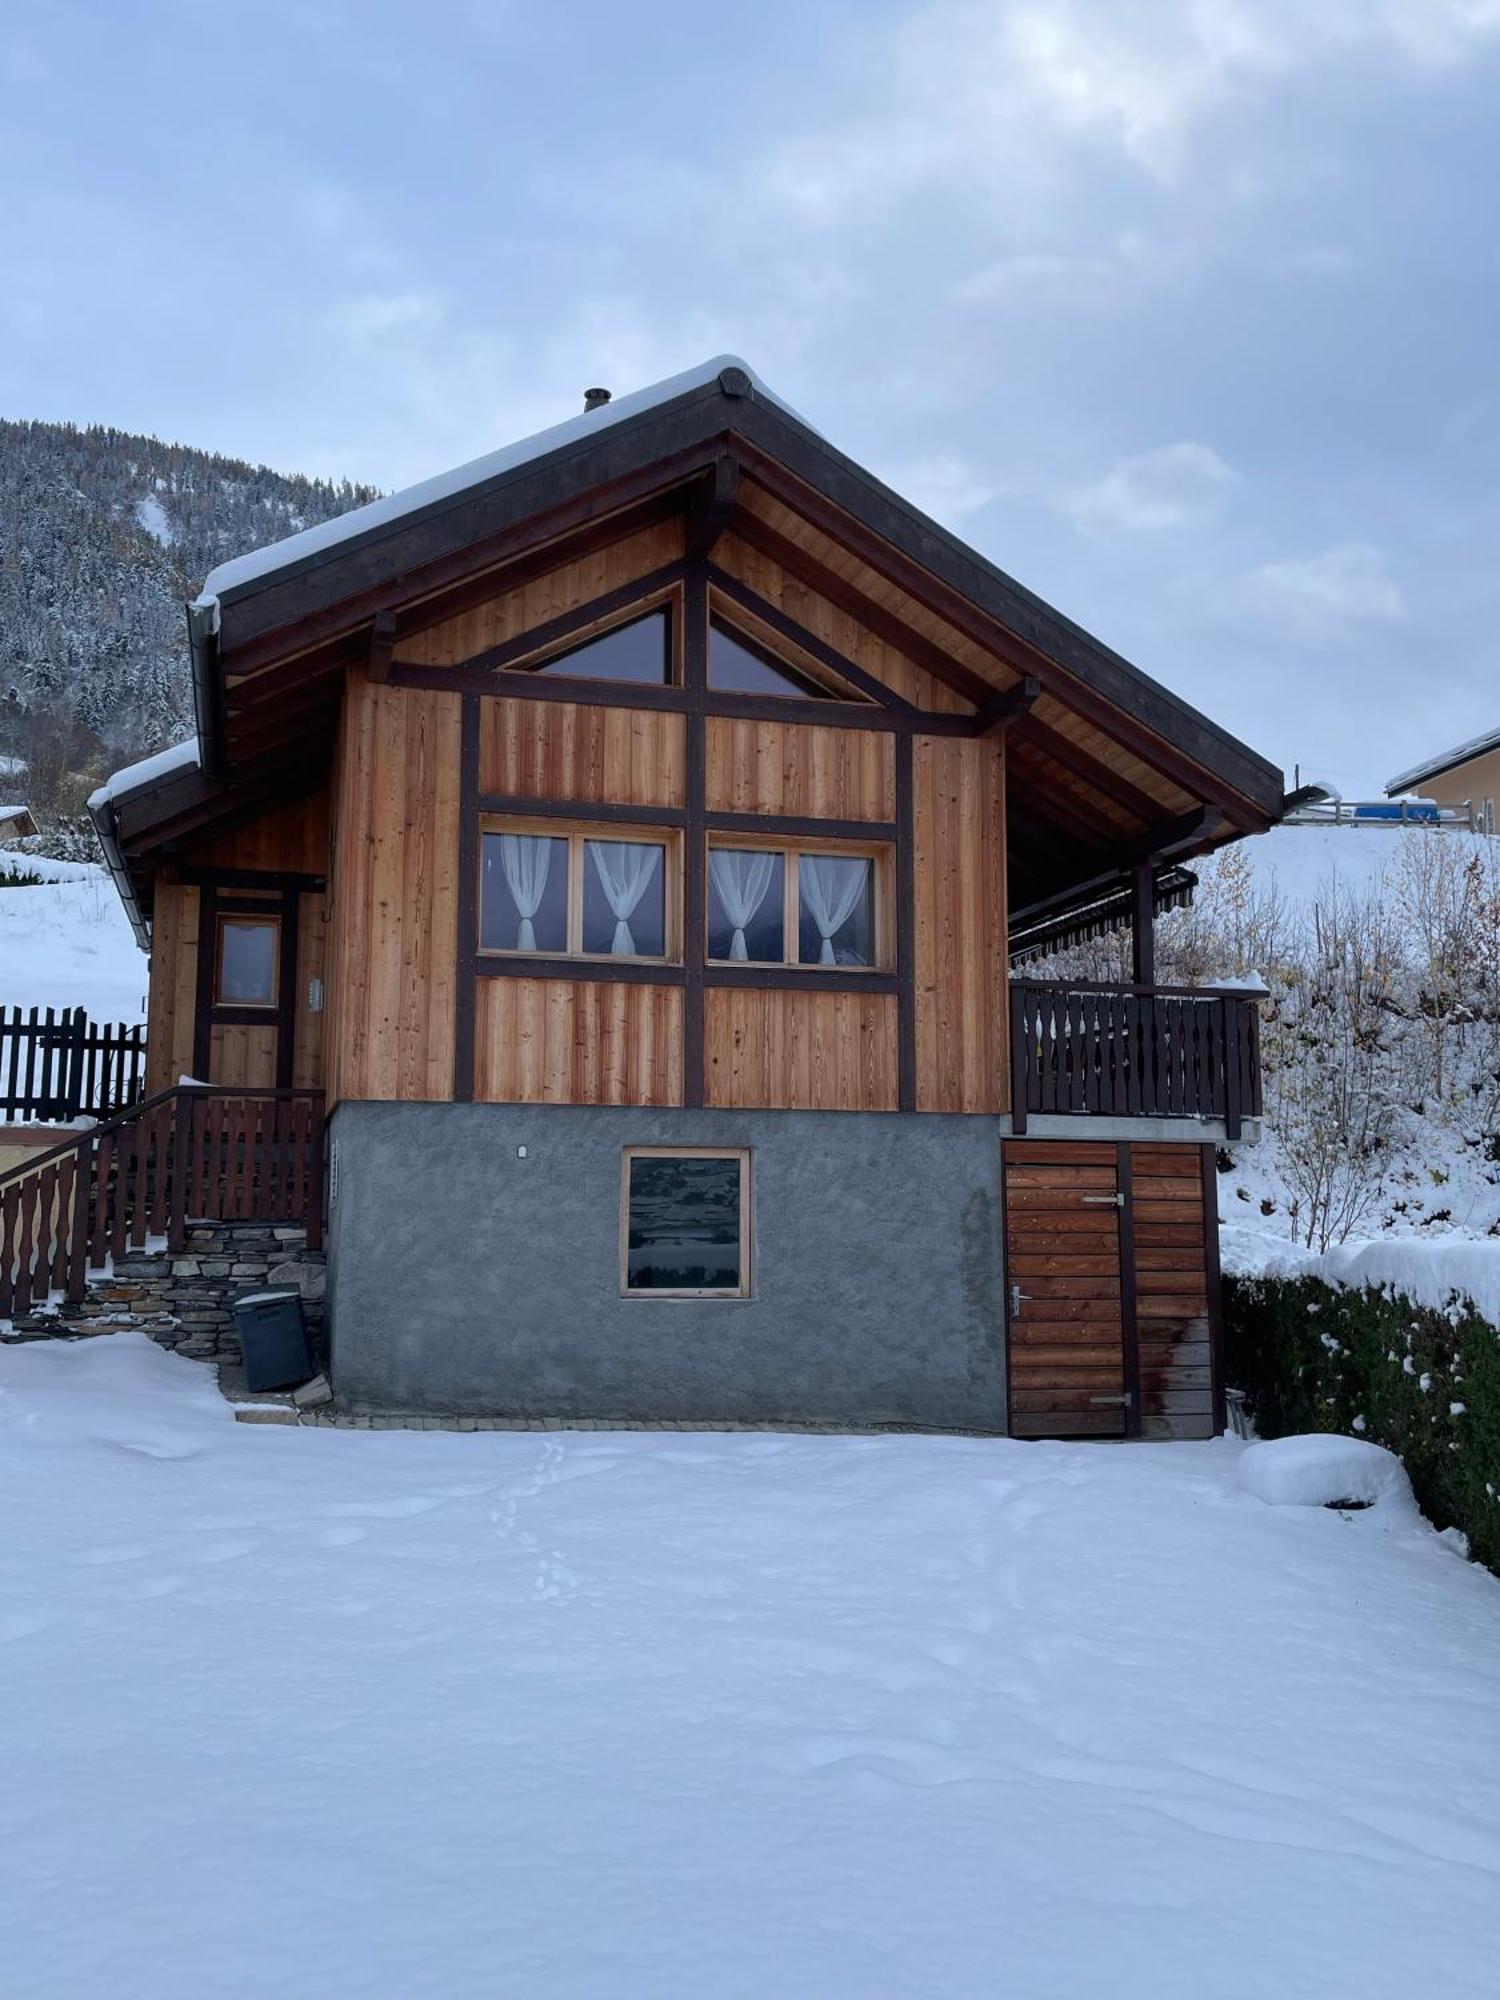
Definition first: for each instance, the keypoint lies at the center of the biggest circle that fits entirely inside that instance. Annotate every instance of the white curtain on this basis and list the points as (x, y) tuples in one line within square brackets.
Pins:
[(625, 871), (831, 885), (740, 881), (526, 857)]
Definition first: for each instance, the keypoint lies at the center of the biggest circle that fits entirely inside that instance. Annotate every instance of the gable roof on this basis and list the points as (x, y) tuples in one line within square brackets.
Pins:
[(1462, 753), (271, 633)]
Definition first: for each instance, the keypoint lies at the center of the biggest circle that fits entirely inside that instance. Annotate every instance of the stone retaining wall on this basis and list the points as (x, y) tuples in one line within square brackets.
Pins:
[(184, 1302)]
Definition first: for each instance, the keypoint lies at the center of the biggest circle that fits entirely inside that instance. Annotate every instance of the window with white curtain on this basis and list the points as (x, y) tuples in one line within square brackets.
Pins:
[(794, 907), (573, 894)]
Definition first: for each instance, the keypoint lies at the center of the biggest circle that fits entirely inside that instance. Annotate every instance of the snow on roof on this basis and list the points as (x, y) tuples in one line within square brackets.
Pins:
[(1475, 747), (13, 812), (179, 757), (395, 507)]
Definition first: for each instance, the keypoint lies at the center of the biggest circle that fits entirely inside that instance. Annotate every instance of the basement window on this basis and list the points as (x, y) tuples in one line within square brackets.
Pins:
[(249, 949), (685, 1223)]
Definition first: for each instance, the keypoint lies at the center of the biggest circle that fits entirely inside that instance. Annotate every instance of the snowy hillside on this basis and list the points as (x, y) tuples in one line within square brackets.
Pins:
[(103, 536), (624, 1716), (1303, 862), (66, 942)]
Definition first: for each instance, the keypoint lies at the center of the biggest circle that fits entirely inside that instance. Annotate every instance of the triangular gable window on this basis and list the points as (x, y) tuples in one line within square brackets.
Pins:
[(639, 651), (735, 666)]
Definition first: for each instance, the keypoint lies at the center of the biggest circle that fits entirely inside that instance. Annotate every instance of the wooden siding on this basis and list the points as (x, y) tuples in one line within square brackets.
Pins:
[(293, 840), (310, 1023), (780, 767), (243, 1057), (560, 1041), (558, 750), (171, 1011), (799, 1051), (1174, 1288), (395, 894), (512, 612), (960, 942)]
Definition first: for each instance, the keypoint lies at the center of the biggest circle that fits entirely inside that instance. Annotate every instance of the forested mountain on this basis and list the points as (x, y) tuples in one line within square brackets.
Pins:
[(103, 535)]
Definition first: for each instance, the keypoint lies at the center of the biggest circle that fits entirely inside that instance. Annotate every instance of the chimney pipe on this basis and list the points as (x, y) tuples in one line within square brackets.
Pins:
[(595, 399)]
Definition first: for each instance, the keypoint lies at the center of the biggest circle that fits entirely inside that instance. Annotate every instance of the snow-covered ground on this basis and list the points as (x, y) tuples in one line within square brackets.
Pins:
[(628, 1716), (66, 941)]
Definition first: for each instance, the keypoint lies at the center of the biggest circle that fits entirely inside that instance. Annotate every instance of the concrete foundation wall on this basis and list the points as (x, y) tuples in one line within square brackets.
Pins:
[(464, 1277)]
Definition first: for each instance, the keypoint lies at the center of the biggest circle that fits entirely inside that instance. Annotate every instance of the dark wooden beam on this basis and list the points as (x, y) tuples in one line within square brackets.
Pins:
[(646, 694), (712, 507), (1002, 709), (382, 639), (1143, 924)]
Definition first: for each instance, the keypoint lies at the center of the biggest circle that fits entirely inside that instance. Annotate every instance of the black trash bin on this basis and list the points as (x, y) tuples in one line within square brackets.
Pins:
[(273, 1338)]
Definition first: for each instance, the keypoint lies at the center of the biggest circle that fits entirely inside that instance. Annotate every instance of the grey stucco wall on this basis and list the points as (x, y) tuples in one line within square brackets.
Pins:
[(465, 1278)]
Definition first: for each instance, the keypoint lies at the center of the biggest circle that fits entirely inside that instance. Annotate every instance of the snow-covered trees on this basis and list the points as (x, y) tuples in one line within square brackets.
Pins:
[(103, 535), (1381, 1025)]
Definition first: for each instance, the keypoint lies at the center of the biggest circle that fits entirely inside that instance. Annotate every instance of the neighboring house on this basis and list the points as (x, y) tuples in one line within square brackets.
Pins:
[(16, 822), (1468, 775), (627, 834)]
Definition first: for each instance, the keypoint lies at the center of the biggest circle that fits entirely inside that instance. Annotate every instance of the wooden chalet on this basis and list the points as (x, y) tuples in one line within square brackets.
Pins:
[(615, 851)]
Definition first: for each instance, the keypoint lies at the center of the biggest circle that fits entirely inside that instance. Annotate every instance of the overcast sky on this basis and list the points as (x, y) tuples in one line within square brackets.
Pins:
[(1184, 314)]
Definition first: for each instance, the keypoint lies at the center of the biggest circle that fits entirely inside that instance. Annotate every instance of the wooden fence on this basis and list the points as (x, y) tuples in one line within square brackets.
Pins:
[(184, 1155), (59, 1066), (1134, 1052)]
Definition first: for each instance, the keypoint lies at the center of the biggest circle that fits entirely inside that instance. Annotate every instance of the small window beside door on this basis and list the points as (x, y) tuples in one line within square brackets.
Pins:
[(248, 962)]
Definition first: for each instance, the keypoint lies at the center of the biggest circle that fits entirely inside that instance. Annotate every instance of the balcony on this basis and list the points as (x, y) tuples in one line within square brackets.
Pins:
[(1134, 1052)]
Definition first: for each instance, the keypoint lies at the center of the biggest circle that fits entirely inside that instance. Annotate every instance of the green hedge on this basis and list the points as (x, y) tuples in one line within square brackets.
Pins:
[(1316, 1357)]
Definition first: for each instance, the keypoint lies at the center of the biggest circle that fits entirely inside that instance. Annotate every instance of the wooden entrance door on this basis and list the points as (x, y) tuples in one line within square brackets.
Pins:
[(1070, 1373), (247, 985)]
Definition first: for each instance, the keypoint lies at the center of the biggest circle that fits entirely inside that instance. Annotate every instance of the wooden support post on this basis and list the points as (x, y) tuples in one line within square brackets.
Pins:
[(1143, 924)]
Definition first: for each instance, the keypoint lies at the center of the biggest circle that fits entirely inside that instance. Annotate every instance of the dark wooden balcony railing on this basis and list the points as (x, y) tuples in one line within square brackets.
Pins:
[(1134, 1052), (197, 1153)]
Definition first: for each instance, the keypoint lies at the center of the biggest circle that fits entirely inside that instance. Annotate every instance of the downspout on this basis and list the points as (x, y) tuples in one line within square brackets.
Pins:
[(208, 692), (107, 828)]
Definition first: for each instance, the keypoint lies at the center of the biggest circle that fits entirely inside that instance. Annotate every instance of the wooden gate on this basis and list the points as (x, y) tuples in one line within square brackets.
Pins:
[(1112, 1283)]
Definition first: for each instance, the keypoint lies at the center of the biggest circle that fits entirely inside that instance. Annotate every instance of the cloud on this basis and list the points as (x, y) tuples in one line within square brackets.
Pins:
[(1166, 488), (1327, 596), (1035, 280), (948, 485), (992, 94)]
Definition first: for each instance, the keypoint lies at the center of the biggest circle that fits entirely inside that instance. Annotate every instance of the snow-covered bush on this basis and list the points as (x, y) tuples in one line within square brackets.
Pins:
[(1312, 1356)]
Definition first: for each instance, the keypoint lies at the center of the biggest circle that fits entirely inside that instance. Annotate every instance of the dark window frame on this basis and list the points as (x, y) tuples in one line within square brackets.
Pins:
[(881, 855), (576, 836)]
